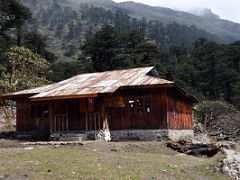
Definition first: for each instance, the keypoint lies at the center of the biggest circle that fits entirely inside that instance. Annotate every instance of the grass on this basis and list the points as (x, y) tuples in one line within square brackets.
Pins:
[(94, 162)]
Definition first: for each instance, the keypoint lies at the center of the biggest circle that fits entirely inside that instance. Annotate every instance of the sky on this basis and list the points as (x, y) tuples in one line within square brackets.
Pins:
[(226, 9)]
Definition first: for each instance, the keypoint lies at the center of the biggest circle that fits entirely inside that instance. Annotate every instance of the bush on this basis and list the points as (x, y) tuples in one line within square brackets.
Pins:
[(218, 116)]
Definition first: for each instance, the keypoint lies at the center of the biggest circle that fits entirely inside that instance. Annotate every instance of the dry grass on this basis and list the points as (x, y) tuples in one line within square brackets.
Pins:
[(96, 160)]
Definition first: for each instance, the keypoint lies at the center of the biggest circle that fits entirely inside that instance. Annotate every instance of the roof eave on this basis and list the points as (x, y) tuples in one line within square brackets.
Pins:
[(49, 98), (15, 96)]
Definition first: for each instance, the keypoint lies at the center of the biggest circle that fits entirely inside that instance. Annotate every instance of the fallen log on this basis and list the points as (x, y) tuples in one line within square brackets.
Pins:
[(208, 150), (175, 146)]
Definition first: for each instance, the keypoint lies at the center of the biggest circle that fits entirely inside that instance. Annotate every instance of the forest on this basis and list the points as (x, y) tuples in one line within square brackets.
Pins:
[(207, 68)]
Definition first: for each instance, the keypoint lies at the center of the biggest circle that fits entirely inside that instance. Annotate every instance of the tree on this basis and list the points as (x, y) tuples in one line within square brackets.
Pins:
[(102, 48), (22, 69), (37, 44), (13, 15), (110, 49)]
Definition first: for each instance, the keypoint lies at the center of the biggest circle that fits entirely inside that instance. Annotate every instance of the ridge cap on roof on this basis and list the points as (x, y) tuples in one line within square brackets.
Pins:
[(152, 67)]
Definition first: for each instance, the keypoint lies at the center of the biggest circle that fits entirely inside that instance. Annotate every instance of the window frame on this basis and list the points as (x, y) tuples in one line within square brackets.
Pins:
[(148, 104), (131, 101)]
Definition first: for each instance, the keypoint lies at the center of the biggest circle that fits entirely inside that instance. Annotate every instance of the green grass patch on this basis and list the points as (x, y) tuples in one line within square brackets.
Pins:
[(74, 163)]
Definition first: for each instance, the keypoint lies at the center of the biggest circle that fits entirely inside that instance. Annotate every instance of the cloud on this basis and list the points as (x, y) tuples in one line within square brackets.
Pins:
[(226, 9)]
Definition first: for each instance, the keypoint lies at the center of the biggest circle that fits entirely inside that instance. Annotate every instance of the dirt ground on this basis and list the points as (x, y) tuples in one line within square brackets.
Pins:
[(101, 160)]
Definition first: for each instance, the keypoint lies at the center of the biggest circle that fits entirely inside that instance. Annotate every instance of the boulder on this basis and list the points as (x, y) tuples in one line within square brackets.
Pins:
[(231, 164)]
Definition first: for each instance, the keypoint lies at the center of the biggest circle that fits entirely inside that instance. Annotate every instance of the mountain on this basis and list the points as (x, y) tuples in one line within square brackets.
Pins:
[(68, 23), (206, 13), (229, 31)]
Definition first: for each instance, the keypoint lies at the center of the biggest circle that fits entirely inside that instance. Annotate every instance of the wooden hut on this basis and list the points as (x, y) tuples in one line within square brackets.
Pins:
[(130, 103)]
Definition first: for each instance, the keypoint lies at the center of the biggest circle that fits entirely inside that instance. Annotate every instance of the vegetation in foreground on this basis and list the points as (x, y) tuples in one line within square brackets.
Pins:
[(99, 160)]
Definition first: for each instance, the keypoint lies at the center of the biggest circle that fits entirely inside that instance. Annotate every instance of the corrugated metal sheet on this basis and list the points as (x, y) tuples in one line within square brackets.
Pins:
[(96, 83)]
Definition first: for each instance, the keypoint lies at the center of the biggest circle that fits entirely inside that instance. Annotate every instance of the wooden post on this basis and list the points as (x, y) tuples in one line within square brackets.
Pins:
[(67, 123), (55, 124), (86, 119), (63, 123), (50, 117), (95, 122), (59, 123), (90, 123), (105, 119), (99, 117), (66, 119)]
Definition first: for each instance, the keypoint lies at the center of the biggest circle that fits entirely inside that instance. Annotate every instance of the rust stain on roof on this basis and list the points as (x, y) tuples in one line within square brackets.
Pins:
[(96, 83)]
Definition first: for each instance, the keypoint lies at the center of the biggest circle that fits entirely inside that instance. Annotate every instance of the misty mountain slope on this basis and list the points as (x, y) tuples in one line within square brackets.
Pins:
[(228, 30), (68, 23)]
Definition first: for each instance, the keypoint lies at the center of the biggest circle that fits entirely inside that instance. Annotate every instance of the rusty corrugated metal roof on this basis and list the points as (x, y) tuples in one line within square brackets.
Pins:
[(96, 83)]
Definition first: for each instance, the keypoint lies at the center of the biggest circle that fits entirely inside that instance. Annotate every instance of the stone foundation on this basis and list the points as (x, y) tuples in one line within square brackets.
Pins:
[(124, 135), (151, 135)]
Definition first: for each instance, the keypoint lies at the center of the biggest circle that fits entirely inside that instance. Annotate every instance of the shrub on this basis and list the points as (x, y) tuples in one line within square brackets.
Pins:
[(218, 116)]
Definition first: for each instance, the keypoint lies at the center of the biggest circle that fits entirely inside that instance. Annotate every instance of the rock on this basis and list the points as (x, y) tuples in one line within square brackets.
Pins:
[(198, 128), (114, 150), (228, 144), (29, 148), (54, 143), (201, 139), (180, 154), (231, 164)]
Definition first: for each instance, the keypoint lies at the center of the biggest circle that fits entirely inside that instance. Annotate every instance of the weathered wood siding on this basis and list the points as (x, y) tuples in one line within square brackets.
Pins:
[(124, 118), (179, 111), (26, 120), (167, 109)]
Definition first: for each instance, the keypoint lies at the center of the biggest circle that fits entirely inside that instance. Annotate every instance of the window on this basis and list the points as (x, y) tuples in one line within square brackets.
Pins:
[(131, 104), (38, 111), (148, 104), (140, 105)]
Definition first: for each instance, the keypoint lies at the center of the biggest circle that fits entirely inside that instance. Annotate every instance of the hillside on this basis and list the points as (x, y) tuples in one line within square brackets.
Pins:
[(68, 23), (227, 30)]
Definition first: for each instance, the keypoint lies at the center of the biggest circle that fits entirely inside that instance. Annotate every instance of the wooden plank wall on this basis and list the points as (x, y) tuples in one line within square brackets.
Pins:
[(69, 108), (179, 111), (122, 118), (169, 109), (23, 121), (75, 109)]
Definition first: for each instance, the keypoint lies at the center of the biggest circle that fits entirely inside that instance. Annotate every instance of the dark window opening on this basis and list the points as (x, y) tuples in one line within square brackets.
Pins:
[(38, 111), (131, 104), (148, 105), (140, 104)]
